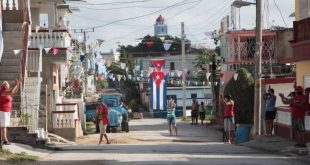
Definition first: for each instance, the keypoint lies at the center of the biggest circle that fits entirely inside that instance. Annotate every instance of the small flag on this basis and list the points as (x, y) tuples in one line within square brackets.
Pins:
[(47, 50), (149, 44), (55, 51), (16, 51)]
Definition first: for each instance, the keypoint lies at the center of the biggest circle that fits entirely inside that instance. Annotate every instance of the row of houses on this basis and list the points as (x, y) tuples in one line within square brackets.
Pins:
[(285, 60), (50, 57)]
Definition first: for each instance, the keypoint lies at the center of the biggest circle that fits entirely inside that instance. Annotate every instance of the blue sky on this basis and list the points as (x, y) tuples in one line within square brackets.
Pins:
[(199, 16)]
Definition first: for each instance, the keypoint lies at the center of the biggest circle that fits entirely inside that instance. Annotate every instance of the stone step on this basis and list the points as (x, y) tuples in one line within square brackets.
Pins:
[(10, 62), (12, 40), (12, 26), (10, 55), (8, 76), (10, 69)]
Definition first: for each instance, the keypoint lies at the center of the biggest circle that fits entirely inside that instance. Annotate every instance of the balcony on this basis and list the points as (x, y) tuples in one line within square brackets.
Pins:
[(50, 39), (238, 47), (12, 11), (301, 30), (301, 41)]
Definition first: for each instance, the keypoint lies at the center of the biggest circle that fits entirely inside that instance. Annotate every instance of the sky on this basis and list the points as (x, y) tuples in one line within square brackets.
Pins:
[(123, 22)]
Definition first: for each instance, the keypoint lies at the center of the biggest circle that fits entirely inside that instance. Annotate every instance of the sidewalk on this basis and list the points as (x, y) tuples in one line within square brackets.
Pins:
[(276, 144)]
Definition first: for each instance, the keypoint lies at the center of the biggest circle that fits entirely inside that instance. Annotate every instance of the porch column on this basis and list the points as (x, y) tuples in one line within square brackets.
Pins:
[(51, 15)]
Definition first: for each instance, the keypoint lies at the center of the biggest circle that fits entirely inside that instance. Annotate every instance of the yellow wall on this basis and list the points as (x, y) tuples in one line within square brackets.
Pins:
[(302, 69), (297, 16)]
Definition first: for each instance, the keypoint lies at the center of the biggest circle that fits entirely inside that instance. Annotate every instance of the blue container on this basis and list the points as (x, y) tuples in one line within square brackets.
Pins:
[(242, 133)]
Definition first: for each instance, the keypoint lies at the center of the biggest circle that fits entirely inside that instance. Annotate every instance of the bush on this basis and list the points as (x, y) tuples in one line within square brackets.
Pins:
[(242, 92), (134, 106)]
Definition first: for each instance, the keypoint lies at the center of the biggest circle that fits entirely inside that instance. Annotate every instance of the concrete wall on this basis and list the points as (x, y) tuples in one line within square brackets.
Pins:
[(82, 115), (284, 88), (302, 69), (283, 47), (190, 62), (201, 92)]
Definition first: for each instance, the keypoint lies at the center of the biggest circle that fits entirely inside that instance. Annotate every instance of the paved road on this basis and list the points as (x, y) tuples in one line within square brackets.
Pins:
[(149, 143)]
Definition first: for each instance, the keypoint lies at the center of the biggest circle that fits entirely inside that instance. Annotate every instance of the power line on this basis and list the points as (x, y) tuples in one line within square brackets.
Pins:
[(116, 8), (110, 3), (280, 13), (141, 16)]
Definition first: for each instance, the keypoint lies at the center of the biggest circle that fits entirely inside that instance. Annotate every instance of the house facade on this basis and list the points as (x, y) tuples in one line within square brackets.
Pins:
[(48, 57), (300, 44)]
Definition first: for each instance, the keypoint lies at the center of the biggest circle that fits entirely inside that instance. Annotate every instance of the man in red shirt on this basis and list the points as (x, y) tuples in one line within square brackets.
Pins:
[(297, 104), (103, 121)]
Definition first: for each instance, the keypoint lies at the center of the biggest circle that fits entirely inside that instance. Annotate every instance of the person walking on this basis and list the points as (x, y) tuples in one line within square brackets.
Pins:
[(270, 110), (229, 121), (202, 112), (171, 118), (297, 104), (5, 108), (102, 119), (194, 112)]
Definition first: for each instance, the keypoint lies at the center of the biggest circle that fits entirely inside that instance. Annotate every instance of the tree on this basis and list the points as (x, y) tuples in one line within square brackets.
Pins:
[(242, 91), (205, 58), (156, 47)]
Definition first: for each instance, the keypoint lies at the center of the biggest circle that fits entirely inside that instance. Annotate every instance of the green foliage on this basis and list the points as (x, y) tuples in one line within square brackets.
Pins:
[(156, 47), (116, 70), (131, 91), (103, 84), (25, 118), (133, 105), (242, 92), (17, 158), (201, 76)]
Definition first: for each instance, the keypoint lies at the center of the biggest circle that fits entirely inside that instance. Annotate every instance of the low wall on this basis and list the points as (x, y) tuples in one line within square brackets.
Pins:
[(283, 126)]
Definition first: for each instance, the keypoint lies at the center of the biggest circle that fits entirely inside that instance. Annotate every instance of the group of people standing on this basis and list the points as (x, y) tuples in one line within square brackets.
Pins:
[(198, 111), (298, 101), (299, 104)]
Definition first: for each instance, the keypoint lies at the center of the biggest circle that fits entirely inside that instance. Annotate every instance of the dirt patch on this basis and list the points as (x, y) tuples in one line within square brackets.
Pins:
[(115, 138)]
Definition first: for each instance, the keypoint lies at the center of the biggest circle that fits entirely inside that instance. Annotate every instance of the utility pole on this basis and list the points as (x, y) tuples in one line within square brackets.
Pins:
[(85, 31), (183, 75), (258, 69)]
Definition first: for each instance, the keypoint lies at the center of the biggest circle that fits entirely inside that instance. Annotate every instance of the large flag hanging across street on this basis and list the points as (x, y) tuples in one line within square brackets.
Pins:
[(1, 36), (158, 82)]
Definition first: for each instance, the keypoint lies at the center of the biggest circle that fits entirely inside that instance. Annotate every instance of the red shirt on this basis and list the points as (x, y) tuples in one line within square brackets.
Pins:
[(103, 113), (5, 102), (297, 112), (229, 110)]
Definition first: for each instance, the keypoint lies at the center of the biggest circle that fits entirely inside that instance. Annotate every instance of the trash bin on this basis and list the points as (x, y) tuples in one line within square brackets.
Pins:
[(243, 133)]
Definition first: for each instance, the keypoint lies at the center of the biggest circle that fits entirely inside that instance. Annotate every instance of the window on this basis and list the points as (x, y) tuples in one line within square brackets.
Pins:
[(193, 95), (111, 102), (172, 67)]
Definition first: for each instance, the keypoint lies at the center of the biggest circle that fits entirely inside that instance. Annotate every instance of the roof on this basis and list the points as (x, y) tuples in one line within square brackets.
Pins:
[(160, 19)]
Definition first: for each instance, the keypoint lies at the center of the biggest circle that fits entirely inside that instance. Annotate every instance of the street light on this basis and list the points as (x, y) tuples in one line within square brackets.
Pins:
[(240, 3), (258, 63)]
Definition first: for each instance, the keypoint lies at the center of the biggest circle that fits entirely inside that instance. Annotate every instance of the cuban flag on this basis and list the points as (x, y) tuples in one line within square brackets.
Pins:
[(158, 85)]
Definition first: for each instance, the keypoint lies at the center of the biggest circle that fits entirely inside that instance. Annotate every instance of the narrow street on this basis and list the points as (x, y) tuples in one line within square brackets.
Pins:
[(148, 142)]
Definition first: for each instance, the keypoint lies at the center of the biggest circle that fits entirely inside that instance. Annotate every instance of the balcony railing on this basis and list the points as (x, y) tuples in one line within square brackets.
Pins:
[(301, 30), (65, 116), (50, 39), (11, 4)]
